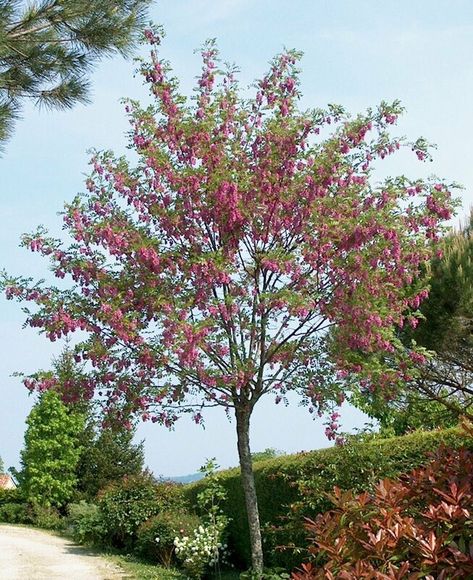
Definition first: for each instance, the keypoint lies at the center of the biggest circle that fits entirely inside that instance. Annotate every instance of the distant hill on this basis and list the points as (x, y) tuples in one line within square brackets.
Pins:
[(186, 478)]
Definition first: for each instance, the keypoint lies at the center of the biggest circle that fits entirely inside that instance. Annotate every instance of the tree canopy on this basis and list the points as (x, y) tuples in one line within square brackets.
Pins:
[(208, 273), (447, 326), (108, 455), (48, 47), (440, 390), (51, 452)]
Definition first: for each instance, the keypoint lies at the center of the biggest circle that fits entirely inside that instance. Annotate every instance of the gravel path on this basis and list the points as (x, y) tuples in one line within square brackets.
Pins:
[(28, 554)]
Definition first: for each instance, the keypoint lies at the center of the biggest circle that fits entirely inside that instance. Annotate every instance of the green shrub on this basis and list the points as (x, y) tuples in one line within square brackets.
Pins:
[(15, 513), (127, 504), (14, 508), (46, 517), (155, 537), (85, 524), (294, 486), (11, 496)]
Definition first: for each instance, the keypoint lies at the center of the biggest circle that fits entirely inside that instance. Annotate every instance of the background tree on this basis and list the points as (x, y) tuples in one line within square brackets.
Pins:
[(107, 454), (268, 453), (51, 452), (410, 410), (47, 48), (441, 389), (447, 326), (107, 457), (209, 273)]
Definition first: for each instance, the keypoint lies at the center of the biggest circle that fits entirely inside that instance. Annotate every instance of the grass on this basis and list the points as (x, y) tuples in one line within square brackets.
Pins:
[(135, 568)]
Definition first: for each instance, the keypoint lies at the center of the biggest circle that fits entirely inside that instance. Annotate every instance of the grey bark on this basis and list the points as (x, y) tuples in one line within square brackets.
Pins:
[(248, 483)]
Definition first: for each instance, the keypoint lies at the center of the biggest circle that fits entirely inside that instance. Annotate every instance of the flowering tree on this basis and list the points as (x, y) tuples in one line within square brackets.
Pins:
[(208, 272)]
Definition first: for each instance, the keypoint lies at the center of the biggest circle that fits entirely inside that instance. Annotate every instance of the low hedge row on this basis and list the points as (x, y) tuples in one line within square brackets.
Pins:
[(295, 486)]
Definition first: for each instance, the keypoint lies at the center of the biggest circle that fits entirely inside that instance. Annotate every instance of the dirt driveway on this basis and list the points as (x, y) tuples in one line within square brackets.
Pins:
[(27, 554)]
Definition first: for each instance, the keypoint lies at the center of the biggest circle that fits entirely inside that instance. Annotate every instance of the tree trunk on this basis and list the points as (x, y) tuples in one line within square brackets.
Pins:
[(248, 482)]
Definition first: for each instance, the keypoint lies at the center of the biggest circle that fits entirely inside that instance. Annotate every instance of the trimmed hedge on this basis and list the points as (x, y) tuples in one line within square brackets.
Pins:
[(294, 486)]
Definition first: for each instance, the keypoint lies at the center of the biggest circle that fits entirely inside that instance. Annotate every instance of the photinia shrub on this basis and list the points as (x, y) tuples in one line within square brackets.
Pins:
[(420, 526)]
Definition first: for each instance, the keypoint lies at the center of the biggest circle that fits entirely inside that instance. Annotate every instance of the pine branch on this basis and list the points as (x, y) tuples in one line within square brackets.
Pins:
[(46, 49)]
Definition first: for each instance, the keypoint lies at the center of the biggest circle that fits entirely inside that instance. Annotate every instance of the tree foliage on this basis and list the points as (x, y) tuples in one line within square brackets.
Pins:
[(208, 273), (441, 389), (268, 453), (447, 326), (108, 455), (51, 452), (47, 48), (411, 410)]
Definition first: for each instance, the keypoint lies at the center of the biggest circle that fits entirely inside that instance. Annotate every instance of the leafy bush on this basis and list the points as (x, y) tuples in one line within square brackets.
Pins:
[(205, 546), (127, 504), (85, 523), (155, 537), (422, 523), (202, 549), (13, 507), (22, 512), (11, 496), (46, 517), (295, 486), (15, 513)]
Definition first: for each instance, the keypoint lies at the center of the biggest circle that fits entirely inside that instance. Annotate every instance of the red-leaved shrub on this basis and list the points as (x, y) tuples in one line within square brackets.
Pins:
[(419, 526)]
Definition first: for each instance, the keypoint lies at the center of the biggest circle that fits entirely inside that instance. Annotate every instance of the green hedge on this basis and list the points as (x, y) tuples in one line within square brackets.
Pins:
[(294, 486)]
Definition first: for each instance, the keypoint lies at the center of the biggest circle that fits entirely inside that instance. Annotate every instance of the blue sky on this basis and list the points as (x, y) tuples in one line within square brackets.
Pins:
[(356, 53)]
